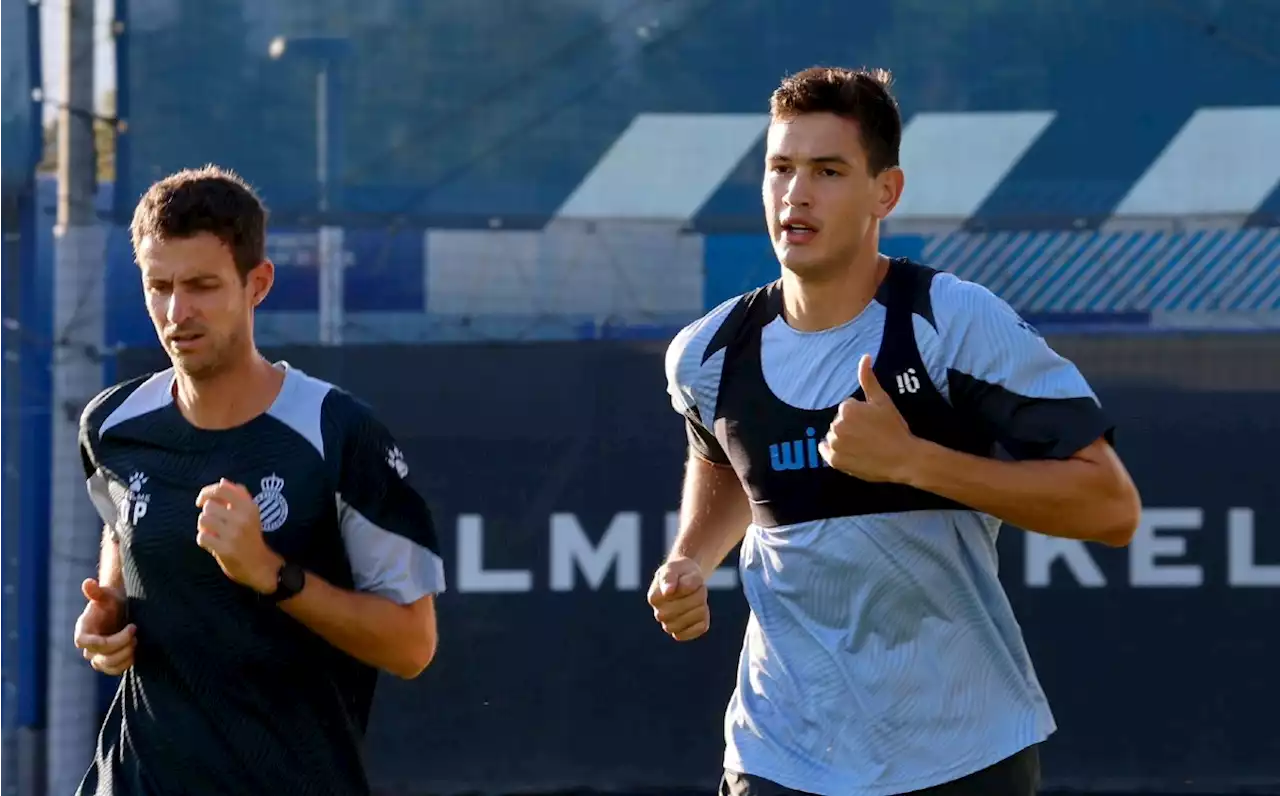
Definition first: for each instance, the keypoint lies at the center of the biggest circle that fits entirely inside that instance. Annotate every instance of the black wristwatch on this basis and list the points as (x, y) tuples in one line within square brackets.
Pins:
[(289, 581)]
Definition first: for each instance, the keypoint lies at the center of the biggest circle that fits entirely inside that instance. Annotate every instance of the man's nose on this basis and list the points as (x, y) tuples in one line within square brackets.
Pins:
[(179, 308), (797, 193)]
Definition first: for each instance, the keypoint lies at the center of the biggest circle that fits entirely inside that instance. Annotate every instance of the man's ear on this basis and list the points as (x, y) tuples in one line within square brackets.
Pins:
[(260, 280), (891, 182)]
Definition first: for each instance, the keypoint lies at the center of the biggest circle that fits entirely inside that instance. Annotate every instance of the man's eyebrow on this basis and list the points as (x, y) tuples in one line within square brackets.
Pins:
[(837, 159)]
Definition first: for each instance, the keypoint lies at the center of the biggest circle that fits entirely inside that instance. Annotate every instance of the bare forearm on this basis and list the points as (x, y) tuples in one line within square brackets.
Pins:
[(370, 628), (1087, 497), (110, 572), (714, 514)]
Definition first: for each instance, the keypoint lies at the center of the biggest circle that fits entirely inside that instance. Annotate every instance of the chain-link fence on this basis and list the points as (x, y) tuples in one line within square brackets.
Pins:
[(458, 113), (500, 171), (22, 388), (505, 170)]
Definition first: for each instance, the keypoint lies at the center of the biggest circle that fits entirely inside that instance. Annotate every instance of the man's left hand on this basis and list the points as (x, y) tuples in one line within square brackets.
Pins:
[(869, 439), (230, 528)]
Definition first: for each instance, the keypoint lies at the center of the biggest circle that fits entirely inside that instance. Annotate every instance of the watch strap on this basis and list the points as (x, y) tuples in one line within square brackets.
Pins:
[(290, 579)]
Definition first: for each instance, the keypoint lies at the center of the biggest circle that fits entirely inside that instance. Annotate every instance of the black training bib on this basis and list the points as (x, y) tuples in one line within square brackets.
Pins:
[(773, 446)]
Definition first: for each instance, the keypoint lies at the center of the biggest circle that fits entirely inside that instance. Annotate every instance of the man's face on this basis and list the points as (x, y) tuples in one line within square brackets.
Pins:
[(202, 311), (821, 203)]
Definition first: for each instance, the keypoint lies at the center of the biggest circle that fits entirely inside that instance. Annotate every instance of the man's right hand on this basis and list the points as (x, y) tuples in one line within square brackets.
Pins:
[(678, 595), (105, 644)]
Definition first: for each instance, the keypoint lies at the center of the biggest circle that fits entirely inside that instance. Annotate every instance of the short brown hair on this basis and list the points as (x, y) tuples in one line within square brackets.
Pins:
[(209, 199), (860, 95)]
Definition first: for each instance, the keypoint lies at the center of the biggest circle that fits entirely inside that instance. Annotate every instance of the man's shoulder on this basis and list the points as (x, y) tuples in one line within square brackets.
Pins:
[(323, 412), (688, 350), (312, 395), (144, 393), (345, 409), (961, 306), (950, 294), (352, 435), (344, 417), (984, 337)]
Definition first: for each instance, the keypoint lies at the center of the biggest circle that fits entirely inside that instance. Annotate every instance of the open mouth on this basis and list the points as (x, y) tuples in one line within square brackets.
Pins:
[(798, 232), (185, 340)]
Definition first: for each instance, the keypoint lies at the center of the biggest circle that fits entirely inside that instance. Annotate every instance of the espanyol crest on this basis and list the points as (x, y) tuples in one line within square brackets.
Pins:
[(272, 507)]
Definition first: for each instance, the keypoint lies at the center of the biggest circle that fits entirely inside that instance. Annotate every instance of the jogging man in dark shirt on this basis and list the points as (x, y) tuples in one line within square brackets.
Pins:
[(263, 554)]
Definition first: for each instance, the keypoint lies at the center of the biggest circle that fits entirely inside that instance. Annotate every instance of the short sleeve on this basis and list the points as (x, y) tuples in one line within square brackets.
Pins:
[(96, 481), (387, 526), (1002, 373), (684, 399), (703, 442)]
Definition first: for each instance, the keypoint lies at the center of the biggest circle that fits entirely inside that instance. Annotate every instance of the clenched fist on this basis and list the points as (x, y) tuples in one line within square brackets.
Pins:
[(678, 595), (101, 635), (230, 529), (869, 439)]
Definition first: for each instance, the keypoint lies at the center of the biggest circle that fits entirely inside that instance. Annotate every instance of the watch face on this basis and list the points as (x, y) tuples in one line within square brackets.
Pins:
[(291, 577)]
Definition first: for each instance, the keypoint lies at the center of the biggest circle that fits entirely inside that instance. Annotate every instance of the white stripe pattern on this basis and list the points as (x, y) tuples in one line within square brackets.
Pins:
[(1139, 271)]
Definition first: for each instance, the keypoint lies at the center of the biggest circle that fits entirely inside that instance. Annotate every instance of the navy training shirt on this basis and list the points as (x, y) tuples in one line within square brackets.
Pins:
[(228, 694)]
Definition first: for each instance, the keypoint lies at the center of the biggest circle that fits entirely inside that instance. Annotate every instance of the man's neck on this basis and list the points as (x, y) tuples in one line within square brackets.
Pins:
[(231, 398), (813, 303)]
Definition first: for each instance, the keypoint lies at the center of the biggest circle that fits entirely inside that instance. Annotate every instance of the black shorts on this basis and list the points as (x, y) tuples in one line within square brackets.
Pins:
[(1018, 775)]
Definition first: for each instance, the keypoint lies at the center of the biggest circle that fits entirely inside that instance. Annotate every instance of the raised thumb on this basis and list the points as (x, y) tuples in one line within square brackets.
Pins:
[(92, 591), (870, 384)]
